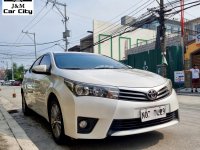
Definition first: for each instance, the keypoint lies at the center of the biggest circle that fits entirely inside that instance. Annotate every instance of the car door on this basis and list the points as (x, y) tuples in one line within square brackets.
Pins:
[(42, 83), (29, 86)]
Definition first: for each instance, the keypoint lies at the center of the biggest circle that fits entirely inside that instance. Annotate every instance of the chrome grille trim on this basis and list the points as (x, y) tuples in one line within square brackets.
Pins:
[(162, 93), (141, 94), (162, 90), (129, 95), (132, 95), (139, 98)]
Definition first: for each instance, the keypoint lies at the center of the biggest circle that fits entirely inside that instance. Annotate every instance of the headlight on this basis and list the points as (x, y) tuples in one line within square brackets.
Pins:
[(84, 89), (169, 86)]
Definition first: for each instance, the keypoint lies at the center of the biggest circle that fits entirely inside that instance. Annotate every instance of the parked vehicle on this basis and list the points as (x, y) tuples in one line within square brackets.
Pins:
[(12, 81), (7, 83), (2, 82), (90, 96), (16, 83)]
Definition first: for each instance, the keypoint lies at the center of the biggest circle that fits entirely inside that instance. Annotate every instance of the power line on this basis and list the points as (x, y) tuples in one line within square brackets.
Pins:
[(23, 45), (148, 21), (137, 10), (31, 53), (171, 5), (29, 23), (40, 19), (120, 28), (197, 4), (198, 1), (41, 10), (151, 19), (44, 48), (66, 33), (20, 39), (117, 24)]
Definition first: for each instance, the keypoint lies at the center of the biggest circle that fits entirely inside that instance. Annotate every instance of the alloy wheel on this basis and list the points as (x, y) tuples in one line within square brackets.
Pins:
[(56, 120)]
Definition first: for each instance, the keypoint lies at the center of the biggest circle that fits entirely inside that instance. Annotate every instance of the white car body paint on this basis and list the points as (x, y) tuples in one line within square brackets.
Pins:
[(38, 87)]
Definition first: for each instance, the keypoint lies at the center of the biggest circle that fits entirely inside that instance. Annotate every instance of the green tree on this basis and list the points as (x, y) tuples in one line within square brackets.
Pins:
[(18, 75), (18, 72)]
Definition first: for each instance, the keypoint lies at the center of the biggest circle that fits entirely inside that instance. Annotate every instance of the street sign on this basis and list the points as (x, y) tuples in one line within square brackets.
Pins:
[(179, 76)]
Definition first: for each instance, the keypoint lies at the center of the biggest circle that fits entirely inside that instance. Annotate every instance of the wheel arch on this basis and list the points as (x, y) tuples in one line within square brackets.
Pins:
[(22, 91), (52, 96)]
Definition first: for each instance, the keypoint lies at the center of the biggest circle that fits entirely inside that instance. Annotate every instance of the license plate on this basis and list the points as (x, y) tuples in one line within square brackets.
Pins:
[(153, 113)]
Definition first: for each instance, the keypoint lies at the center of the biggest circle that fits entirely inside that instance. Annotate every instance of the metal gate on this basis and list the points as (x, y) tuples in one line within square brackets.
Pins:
[(149, 60)]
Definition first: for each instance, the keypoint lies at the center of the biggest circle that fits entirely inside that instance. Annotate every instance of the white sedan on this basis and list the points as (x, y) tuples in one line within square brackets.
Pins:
[(90, 96)]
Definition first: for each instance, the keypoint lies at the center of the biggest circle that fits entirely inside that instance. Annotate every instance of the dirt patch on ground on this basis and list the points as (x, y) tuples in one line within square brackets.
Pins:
[(3, 144)]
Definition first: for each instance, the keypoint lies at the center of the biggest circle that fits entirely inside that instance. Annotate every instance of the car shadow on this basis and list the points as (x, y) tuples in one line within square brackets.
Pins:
[(139, 141), (39, 131)]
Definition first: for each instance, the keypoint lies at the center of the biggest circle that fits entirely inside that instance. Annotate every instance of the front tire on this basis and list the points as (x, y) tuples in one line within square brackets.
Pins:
[(56, 122)]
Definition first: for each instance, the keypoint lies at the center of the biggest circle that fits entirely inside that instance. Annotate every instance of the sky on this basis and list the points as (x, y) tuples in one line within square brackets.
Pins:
[(48, 25)]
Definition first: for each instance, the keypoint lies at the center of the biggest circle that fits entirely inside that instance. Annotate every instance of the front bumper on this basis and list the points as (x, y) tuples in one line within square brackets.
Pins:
[(120, 127), (110, 112)]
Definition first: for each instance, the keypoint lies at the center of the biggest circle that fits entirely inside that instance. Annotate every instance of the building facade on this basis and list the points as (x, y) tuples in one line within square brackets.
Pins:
[(172, 26), (192, 28), (192, 57), (101, 41)]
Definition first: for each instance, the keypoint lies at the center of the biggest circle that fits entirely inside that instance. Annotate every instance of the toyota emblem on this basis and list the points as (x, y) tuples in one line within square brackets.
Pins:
[(152, 95)]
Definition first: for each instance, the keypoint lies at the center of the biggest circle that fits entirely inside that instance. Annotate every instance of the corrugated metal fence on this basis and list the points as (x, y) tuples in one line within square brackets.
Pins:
[(149, 60)]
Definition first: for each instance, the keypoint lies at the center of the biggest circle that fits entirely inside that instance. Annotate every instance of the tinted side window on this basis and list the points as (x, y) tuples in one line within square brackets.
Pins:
[(46, 61), (35, 63)]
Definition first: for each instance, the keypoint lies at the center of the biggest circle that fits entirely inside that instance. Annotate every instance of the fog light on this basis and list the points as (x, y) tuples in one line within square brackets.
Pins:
[(83, 124)]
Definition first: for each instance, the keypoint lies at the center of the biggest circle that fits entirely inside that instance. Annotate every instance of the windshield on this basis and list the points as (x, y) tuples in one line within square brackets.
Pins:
[(86, 61)]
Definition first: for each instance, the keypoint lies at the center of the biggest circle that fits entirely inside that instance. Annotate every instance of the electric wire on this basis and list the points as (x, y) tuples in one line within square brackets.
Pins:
[(23, 45), (28, 24), (107, 38), (27, 54), (117, 24), (39, 19), (116, 17)]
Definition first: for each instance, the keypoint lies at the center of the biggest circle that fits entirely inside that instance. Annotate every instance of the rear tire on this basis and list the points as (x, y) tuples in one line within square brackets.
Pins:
[(25, 108), (56, 122)]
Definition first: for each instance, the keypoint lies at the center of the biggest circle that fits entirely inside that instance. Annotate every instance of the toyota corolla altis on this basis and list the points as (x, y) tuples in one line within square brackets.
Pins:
[(90, 96)]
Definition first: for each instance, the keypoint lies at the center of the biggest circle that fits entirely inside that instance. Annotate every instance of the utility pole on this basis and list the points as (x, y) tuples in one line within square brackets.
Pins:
[(162, 38), (12, 67), (27, 33), (66, 34), (182, 29)]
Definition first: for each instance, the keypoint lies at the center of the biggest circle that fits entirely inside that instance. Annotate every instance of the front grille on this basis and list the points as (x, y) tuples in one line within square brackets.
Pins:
[(132, 95), (129, 95), (162, 93), (130, 124)]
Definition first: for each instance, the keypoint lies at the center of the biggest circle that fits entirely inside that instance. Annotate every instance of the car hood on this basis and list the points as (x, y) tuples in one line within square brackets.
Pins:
[(115, 77)]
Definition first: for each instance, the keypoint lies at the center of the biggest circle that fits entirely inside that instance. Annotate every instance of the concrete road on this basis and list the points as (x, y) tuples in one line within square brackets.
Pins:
[(184, 136)]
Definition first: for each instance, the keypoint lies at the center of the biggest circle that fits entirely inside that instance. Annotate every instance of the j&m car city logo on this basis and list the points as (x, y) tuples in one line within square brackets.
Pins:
[(17, 7)]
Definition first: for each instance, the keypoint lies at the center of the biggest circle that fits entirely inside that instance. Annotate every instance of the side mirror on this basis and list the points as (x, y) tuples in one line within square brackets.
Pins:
[(41, 69)]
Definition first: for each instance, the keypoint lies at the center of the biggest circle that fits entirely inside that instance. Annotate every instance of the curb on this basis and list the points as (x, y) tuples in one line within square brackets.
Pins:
[(187, 94), (21, 138)]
